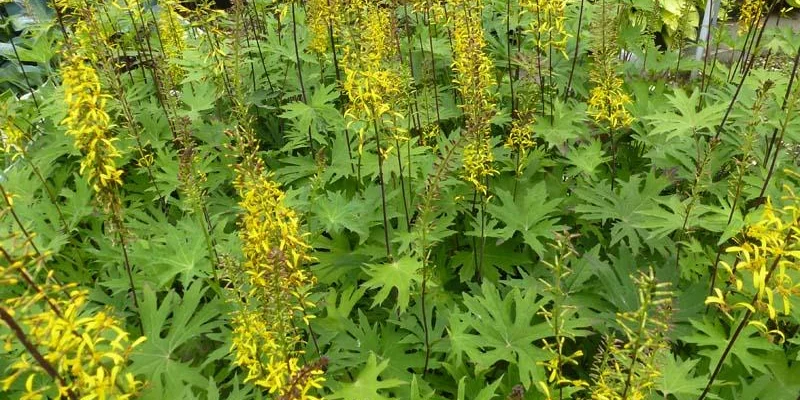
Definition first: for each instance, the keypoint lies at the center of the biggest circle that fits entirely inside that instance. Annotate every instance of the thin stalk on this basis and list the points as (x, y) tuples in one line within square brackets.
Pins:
[(786, 95), (300, 74), (431, 32), (423, 292), (415, 105), (474, 240), (706, 51), (24, 75), (258, 46), (402, 184), (47, 188), (50, 194), (779, 140), (34, 352), (575, 54), (715, 267), (211, 240), (745, 319), (333, 47), (769, 51), (508, 55), (699, 173), (747, 40), (637, 348), (119, 225), (25, 232), (551, 91), (484, 200), (383, 188), (539, 53)]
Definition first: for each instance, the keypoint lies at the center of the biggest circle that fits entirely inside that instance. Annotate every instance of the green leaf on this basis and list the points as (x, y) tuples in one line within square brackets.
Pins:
[(531, 214), (688, 120), (487, 393), (367, 386), (749, 348), (199, 97), (586, 159), (400, 275), (499, 327), (623, 208), (337, 213), (678, 378), (171, 329)]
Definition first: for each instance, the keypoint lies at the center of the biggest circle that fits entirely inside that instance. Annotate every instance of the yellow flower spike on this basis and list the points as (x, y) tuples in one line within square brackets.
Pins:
[(89, 124), (264, 338)]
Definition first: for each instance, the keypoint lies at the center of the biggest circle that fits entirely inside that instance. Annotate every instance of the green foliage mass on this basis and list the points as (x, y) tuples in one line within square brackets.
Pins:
[(425, 287)]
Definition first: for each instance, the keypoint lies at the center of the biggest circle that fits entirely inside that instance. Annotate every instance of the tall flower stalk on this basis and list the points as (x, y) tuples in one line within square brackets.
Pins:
[(769, 255), (607, 99), (627, 368), (476, 83), (68, 348), (90, 126), (271, 287), (375, 86)]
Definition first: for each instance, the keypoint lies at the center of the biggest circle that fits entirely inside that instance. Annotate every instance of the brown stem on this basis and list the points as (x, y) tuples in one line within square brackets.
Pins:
[(34, 352)]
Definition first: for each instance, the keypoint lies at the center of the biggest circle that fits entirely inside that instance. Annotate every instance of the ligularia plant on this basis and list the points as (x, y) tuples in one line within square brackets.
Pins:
[(385, 199)]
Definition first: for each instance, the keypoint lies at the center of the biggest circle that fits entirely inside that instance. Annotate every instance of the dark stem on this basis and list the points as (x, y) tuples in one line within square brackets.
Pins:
[(786, 95), (34, 352), (431, 32), (575, 53), (18, 221), (383, 188), (402, 184), (300, 74), (745, 319), (24, 75), (508, 55)]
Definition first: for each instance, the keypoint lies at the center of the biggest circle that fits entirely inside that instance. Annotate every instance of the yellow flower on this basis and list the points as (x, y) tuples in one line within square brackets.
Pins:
[(88, 349), (520, 139), (644, 329), (769, 253), (265, 340), (172, 32), (476, 84), (607, 101), (13, 138), (477, 161), (749, 14), (548, 23), (89, 124)]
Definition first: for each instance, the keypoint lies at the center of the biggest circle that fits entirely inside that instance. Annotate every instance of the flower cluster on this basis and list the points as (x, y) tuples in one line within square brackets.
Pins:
[(172, 33), (557, 317), (191, 178), (607, 99), (274, 293), (477, 162), (90, 125), (768, 257), (749, 13), (476, 84), (264, 337), (68, 349), (322, 18), (373, 85), (520, 139), (14, 139), (628, 369), (548, 23)]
